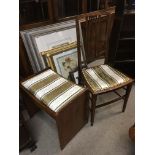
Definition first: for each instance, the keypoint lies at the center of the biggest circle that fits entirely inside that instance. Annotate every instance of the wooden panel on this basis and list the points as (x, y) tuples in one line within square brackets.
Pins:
[(97, 43), (84, 6), (53, 10), (72, 118), (125, 54), (32, 11), (96, 29), (115, 34), (33, 25), (128, 25)]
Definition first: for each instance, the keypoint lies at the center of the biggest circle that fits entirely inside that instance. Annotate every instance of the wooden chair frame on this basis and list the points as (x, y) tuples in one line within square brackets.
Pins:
[(74, 113), (93, 96)]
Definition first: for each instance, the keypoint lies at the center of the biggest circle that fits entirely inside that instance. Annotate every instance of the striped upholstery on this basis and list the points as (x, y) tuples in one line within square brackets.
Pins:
[(53, 90), (103, 77)]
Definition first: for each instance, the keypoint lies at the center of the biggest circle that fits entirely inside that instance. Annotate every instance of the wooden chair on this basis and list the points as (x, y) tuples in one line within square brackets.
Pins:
[(93, 32)]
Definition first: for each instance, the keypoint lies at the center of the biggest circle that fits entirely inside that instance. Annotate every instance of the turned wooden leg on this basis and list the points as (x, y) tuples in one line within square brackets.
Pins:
[(128, 90), (93, 105)]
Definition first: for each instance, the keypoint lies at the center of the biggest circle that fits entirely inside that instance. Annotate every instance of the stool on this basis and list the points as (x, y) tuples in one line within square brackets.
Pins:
[(63, 100)]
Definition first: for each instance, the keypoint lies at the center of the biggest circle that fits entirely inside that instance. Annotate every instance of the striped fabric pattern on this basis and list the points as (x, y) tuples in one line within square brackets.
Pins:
[(103, 77), (52, 89)]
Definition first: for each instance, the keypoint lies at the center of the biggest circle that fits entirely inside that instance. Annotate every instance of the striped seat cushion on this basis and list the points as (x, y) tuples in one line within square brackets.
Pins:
[(53, 90), (103, 77)]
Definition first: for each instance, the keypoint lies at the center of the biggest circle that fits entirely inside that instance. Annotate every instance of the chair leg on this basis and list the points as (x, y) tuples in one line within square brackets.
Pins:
[(128, 90), (93, 105)]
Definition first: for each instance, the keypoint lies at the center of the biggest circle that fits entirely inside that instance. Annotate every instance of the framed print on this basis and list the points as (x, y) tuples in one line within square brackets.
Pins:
[(66, 62), (35, 60), (51, 40), (44, 38), (63, 60), (74, 76)]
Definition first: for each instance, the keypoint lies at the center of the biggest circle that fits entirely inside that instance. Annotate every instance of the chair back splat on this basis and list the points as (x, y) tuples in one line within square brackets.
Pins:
[(93, 32)]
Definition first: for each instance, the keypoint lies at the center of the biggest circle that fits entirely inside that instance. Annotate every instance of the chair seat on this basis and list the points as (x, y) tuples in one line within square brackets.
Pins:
[(52, 89), (103, 78)]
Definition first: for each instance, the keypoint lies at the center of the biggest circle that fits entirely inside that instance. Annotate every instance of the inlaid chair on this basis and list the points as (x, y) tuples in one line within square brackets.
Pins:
[(93, 32)]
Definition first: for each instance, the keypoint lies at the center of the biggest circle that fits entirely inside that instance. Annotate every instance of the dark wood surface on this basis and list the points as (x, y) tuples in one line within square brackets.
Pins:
[(72, 118), (35, 11), (121, 52), (84, 6), (115, 34), (125, 53), (52, 10), (32, 11)]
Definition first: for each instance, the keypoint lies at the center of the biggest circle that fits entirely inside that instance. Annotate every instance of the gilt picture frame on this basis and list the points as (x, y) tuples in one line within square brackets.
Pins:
[(63, 59)]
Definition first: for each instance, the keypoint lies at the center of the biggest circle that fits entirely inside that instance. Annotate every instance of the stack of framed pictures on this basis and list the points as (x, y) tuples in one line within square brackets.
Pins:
[(45, 38), (54, 46)]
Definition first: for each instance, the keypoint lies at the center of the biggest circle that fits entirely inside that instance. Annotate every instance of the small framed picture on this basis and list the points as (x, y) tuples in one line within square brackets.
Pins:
[(63, 59), (74, 76), (40, 39)]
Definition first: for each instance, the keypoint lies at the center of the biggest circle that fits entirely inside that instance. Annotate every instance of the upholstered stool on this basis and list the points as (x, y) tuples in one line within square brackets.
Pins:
[(63, 100)]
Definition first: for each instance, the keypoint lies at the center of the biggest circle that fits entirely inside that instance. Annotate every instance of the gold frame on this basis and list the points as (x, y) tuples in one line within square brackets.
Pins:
[(58, 49)]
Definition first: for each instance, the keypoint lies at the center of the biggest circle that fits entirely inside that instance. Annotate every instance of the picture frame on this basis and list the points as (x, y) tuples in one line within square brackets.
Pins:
[(74, 76), (30, 49), (31, 35), (62, 59)]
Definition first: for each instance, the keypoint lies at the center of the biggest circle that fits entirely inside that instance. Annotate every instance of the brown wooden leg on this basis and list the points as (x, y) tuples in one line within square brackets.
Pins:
[(128, 90), (93, 105)]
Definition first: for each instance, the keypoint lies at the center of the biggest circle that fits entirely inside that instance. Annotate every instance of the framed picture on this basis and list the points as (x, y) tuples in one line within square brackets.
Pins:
[(74, 76), (52, 39), (34, 57), (44, 38), (63, 59)]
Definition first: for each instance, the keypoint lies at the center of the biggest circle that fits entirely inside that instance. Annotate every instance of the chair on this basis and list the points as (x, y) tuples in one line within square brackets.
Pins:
[(93, 32)]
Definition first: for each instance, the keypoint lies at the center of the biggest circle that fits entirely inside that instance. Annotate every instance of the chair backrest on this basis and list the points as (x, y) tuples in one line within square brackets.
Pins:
[(93, 32)]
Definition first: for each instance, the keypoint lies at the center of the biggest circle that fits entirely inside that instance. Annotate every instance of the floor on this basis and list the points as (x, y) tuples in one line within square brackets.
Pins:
[(108, 136)]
